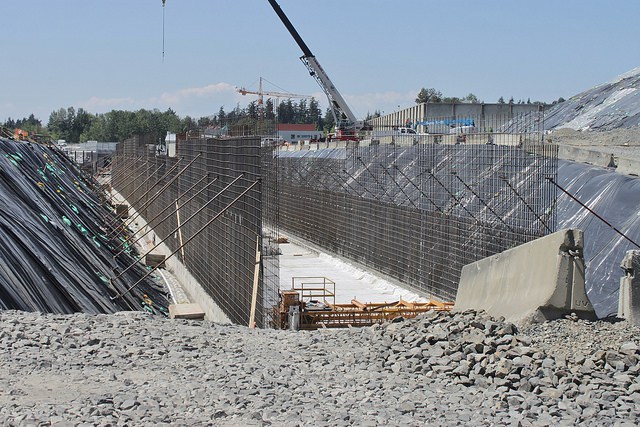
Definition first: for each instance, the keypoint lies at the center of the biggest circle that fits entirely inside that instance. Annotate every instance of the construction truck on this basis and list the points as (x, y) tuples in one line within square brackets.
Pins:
[(347, 126)]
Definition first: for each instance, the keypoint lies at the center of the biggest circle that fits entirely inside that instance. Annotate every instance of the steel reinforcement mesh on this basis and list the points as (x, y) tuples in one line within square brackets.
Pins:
[(214, 189), (421, 208)]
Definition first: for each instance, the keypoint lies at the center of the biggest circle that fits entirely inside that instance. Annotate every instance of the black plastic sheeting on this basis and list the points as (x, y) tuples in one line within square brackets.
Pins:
[(614, 197), (55, 256)]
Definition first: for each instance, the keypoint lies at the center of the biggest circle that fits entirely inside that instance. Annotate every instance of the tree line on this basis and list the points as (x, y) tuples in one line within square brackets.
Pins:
[(78, 125), (435, 96)]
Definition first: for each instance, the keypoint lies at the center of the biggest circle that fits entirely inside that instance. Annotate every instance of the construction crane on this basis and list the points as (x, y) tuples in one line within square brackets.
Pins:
[(261, 93), (347, 126)]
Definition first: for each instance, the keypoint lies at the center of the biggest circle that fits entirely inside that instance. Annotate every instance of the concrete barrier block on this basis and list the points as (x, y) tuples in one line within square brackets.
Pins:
[(186, 311), (583, 155), (628, 166), (539, 280), (629, 299)]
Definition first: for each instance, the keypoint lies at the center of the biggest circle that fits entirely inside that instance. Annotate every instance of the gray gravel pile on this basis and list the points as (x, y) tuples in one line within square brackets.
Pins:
[(441, 369)]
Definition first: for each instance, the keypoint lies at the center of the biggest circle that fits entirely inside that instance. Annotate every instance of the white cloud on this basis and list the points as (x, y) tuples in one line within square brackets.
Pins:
[(184, 96), (96, 104), (361, 104), (194, 101), (207, 100), (381, 101)]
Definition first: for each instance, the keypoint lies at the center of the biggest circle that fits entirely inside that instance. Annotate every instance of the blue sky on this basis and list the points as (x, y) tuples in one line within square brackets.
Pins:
[(102, 55)]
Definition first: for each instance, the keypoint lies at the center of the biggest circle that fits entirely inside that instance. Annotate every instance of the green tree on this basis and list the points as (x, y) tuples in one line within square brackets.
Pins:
[(269, 110), (286, 112), (188, 124), (205, 121), (329, 121), (372, 116), (471, 98), (429, 95), (301, 112), (31, 124), (315, 114), (79, 124), (60, 123), (252, 110), (221, 115)]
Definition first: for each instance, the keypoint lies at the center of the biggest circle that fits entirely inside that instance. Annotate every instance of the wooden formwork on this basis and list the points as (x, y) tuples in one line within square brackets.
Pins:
[(358, 314), (309, 299)]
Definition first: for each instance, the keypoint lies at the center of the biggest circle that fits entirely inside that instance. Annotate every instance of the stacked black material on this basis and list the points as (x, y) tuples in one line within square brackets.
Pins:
[(55, 254)]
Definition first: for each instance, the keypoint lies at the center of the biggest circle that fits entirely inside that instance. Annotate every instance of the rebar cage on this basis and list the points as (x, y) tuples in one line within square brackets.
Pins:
[(223, 209), (414, 207), (420, 207)]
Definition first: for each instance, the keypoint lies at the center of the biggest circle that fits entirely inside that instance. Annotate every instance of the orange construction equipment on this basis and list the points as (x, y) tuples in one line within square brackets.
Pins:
[(307, 305), (20, 134)]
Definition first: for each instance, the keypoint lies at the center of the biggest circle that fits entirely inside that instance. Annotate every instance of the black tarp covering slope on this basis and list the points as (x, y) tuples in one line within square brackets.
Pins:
[(54, 253), (614, 197)]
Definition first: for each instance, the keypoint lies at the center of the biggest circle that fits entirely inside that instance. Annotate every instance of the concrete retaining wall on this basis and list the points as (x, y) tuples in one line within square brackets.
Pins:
[(542, 279), (577, 154), (629, 305), (623, 165), (628, 166), (431, 111)]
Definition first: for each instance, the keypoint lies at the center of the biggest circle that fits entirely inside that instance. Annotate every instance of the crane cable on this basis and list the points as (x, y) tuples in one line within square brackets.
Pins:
[(163, 8)]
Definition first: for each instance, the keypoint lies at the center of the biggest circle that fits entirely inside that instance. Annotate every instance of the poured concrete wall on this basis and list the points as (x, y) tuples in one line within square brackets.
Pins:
[(428, 111), (623, 165), (629, 306), (582, 155), (628, 166), (542, 279)]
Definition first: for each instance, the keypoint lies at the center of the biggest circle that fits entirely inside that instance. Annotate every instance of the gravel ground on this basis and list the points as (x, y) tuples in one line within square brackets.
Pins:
[(438, 369)]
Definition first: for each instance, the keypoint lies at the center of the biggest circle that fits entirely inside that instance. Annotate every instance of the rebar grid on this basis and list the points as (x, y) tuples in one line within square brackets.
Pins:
[(220, 254), (419, 212)]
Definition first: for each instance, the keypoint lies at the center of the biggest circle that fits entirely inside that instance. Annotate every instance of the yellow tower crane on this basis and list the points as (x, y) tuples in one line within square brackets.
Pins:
[(261, 94)]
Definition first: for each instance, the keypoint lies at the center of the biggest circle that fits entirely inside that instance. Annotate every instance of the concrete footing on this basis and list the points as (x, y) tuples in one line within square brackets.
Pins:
[(536, 281), (155, 260), (182, 275), (629, 302), (186, 311)]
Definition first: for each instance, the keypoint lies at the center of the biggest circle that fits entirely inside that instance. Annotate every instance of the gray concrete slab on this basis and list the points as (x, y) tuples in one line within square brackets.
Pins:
[(302, 259)]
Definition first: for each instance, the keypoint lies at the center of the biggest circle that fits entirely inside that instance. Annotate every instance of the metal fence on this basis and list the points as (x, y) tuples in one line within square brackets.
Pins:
[(210, 200), (419, 208)]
